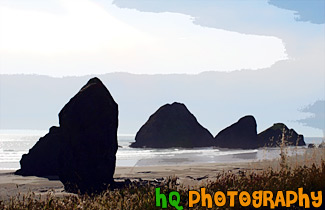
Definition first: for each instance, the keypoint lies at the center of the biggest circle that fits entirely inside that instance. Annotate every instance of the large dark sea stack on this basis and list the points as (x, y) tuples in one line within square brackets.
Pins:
[(272, 137), (172, 125), (82, 150), (241, 134), (89, 121)]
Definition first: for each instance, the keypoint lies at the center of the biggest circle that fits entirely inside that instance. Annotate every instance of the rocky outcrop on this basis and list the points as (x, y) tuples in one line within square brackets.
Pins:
[(90, 122), (82, 150), (43, 158), (241, 134), (272, 137), (172, 125)]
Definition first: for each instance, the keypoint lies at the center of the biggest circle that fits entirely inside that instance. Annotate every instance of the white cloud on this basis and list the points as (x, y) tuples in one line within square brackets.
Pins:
[(88, 36)]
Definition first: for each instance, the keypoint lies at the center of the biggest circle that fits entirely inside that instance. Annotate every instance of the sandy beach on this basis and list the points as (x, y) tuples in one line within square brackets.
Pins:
[(188, 175)]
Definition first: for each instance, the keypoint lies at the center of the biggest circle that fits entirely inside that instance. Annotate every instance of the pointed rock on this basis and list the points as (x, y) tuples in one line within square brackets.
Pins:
[(82, 150), (90, 122), (172, 125)]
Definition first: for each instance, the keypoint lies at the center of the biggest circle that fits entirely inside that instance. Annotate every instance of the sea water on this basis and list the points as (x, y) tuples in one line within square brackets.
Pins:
[(15, 143)]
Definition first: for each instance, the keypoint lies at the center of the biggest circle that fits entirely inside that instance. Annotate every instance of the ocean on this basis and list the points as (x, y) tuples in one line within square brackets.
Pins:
[(15, 143)]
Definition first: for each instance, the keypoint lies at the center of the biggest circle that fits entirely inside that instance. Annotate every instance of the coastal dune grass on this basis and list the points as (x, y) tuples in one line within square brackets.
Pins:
[(136, 195)]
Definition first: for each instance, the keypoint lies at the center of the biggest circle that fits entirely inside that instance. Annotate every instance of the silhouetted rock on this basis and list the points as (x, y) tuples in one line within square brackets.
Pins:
[(90, 122), (272, 137), (172, 125), (321, 145), (82, 150), (241, 134), (42, 159), (311, 145)]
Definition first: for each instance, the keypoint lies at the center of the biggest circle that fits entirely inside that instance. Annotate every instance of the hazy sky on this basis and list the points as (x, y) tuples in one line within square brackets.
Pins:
[(70, 37), (283, 39)]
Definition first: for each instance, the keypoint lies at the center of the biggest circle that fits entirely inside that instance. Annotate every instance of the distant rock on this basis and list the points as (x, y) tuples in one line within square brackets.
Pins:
[(321, 145), (241, 134), (311, 145), (82, 150), (172, 125), (272, 137)]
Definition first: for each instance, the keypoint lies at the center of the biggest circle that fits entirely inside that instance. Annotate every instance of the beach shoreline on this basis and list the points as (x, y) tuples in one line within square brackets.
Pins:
[(190, 175)]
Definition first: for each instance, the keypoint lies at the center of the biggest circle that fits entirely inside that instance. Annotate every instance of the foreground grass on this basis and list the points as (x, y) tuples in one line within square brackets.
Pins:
[(142, 196)]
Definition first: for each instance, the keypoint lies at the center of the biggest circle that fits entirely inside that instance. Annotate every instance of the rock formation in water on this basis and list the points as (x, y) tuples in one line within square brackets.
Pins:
[(172, 125), (241, 134), (43, 158), (82, 150), (272, 137)]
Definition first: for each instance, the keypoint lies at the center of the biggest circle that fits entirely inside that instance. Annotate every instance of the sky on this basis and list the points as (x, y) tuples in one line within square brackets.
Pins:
[(69, 37), (81, 37)]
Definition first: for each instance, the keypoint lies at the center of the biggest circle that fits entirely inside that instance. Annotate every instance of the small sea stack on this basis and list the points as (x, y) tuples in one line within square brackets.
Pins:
[(173, 125), (81, 151), (272, 137), (241, 135)]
